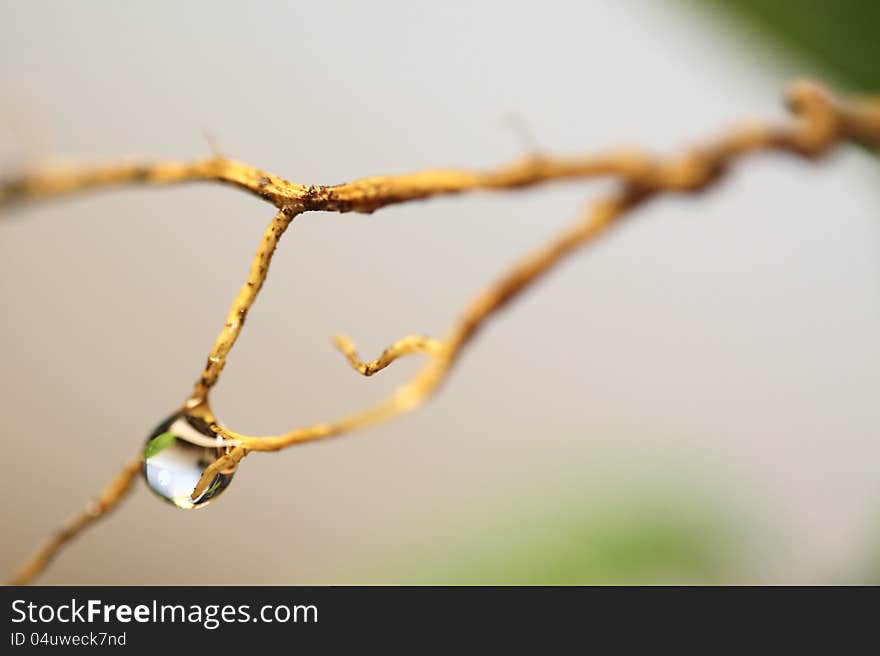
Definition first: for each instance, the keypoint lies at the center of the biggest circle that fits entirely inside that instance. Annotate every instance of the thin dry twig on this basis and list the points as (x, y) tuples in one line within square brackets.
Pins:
[(111, 495), (820, 121)]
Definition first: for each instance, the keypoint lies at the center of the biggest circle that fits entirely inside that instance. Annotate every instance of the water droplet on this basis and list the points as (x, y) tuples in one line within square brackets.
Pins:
[(173, 465)]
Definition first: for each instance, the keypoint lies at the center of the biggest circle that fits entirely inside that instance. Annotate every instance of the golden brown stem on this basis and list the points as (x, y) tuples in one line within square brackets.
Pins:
[(240, 306), (821, 121), (110, 496), (62, 180)]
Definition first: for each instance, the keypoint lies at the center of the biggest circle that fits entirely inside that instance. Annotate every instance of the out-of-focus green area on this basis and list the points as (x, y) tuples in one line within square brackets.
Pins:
[(636, 541), (634, 536), (842, 36)]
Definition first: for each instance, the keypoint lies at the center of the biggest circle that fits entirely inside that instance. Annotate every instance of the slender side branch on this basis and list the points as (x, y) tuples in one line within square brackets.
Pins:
[(444, 353), (240, 306), (820, 121), (114, 492)]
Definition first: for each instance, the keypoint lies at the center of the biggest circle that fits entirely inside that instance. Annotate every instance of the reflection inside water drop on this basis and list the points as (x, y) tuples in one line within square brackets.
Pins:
[(174, 465)]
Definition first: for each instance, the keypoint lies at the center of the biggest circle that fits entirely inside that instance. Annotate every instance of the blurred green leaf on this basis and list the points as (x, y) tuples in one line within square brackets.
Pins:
[(843, 36)]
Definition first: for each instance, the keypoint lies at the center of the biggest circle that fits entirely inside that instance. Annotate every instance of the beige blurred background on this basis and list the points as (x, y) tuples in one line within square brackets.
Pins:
[(718, 355)]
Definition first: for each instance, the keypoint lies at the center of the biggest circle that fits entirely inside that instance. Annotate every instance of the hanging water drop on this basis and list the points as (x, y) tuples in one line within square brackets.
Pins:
[(173, 463)]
